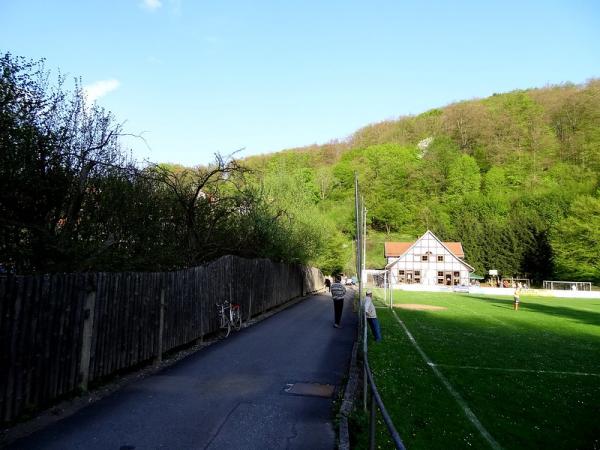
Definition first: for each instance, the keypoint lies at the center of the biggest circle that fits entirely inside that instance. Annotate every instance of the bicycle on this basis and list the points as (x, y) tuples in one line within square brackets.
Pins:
[(230, 315)]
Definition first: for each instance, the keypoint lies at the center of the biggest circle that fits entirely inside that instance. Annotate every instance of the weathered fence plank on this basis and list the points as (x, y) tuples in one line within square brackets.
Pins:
[(86, 346)]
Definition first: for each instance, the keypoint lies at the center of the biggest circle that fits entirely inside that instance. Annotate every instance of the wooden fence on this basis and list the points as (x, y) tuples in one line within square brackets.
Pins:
[(60, 332)]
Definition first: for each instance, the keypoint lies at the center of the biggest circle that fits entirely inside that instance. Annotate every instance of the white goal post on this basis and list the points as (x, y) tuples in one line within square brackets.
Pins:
[(380, 279), (568, 285)]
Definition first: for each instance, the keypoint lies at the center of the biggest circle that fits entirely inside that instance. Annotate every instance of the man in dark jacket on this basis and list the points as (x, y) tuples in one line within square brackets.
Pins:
[(338, 291)]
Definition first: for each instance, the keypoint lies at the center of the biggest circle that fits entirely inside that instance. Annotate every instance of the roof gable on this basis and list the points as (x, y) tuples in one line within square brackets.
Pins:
[(396, 249), (454, 248)]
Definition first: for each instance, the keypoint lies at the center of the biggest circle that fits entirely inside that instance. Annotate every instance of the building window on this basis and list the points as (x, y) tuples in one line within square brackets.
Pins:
[(441, 274), (440, 277), (440, 258), (401, 277), (424, 258), (456, 280)]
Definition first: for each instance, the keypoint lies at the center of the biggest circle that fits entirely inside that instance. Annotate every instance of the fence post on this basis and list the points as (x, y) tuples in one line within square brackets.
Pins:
[(365, 384), (372, 423), (250, 306), (88, 330), (161, 326)]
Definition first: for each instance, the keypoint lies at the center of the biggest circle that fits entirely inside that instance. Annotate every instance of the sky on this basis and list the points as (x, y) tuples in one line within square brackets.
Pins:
[(199, 77)]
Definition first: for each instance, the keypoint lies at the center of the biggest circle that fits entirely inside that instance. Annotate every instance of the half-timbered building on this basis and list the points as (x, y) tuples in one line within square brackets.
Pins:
[(428, 261)]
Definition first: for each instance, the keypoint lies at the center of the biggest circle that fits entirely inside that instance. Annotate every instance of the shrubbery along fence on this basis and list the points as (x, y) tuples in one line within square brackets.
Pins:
[(60, 332)]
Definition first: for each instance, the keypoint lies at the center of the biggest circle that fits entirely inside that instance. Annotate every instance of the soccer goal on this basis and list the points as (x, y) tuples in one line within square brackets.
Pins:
[(376, 278), (381, 279), (568, 285)]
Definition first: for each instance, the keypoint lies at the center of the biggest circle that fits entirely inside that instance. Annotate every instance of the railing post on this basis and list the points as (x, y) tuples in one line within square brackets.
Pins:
[(375, 398), (372, 424), (365, 385)]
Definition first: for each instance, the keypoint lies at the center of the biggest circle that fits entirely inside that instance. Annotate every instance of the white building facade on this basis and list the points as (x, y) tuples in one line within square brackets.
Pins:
[(427, 261)]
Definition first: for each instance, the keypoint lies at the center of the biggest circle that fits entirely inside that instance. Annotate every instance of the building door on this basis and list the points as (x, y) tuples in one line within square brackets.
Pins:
[(410, 279)]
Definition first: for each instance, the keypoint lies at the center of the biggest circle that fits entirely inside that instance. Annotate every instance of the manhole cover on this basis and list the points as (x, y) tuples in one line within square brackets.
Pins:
[(310, 389)]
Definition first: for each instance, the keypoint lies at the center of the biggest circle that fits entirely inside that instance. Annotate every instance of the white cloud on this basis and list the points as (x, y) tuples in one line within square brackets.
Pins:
[(151, 5), (99, 89)]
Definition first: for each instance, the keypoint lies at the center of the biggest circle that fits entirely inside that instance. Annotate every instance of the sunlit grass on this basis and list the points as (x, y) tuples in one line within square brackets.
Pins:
[(539, 402)]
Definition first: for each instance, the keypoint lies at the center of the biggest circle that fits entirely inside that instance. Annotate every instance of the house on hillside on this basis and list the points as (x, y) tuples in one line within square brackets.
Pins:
[(427, 261)]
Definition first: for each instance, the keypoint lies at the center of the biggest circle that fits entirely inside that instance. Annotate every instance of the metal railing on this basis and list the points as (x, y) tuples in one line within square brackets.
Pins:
[(375, 403), (369, 387)]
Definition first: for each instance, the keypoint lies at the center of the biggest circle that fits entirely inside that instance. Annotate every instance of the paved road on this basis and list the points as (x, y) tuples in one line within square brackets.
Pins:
[(227, 396)]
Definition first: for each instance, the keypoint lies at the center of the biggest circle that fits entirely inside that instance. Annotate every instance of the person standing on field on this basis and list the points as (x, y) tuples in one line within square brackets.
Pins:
[(338, 291), (517, 296), (372, 315)]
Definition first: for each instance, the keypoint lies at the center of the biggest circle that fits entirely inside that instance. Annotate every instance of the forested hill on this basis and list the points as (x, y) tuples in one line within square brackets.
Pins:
[(514, 176)]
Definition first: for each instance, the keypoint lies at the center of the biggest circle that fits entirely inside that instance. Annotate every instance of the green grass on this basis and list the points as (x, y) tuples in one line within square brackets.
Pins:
[(533, 408)]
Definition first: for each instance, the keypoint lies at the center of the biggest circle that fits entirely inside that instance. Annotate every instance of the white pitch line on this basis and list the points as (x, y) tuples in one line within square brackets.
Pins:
[(468, 412), (503, 369)]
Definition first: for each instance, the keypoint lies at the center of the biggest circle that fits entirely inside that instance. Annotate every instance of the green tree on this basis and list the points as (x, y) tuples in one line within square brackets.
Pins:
[(576, 241), (52, 146), (464, 176)]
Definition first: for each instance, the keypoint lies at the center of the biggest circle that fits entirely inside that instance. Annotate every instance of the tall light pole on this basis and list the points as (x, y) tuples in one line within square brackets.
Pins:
[(364, 270)]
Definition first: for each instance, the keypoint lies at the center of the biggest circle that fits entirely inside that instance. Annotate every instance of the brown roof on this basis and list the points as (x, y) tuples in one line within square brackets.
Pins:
[(395, 249)]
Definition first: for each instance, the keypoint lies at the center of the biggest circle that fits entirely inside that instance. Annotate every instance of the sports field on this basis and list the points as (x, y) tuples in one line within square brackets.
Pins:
[(478, 374)]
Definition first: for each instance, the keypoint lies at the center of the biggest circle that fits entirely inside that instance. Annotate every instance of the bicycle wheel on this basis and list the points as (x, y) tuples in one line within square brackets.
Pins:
[(237, 319), (226, 328)]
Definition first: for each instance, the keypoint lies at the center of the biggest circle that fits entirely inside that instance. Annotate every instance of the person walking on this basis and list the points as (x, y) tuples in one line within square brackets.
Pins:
[(372, 315), (328, 284), (338, 291)]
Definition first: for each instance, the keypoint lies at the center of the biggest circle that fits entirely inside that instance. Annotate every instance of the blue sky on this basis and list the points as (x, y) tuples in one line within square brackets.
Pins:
[(205, 76)]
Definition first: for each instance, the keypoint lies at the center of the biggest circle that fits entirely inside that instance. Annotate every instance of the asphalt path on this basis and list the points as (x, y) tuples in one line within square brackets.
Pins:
[(230, 395)]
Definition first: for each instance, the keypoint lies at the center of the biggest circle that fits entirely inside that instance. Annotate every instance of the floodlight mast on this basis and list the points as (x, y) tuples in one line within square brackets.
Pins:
[(363, 274)]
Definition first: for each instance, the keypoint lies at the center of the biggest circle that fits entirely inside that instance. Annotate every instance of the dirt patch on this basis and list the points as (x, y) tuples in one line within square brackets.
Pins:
[(419, 307)]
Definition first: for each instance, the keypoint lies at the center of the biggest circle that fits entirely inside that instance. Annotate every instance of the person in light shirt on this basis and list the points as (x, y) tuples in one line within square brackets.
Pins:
[(338, 292), (372, 315), (517, 297)]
